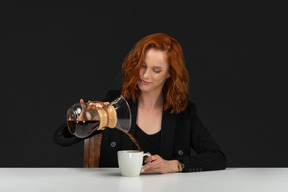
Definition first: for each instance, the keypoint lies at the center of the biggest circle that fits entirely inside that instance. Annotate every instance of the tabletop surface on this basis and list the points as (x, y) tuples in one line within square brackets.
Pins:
[(109, 179)]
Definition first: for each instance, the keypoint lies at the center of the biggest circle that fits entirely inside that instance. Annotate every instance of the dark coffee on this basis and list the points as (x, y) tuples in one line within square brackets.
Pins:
[(82, 128), (134, 141)]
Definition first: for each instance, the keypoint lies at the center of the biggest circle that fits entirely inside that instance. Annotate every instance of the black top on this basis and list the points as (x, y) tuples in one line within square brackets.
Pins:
[(148, 143)]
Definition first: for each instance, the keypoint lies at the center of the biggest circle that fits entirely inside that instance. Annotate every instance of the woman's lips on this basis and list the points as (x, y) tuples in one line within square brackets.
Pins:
[(145, 82)]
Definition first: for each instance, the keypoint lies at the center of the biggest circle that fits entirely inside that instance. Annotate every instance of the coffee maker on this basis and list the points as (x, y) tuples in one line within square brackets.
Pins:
[(85, 118)]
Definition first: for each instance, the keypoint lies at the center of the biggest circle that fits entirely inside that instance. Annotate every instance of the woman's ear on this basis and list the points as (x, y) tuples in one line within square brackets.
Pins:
[(168, 76)]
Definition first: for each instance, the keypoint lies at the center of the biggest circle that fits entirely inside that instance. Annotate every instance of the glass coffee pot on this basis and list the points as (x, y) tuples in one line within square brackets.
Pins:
[(85, 118)]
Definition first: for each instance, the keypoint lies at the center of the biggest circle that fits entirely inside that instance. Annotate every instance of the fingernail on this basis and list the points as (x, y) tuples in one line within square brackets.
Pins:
[(142, 170)]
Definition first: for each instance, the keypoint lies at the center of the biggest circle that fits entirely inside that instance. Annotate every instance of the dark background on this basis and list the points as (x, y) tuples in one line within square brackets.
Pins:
[(54, 53)]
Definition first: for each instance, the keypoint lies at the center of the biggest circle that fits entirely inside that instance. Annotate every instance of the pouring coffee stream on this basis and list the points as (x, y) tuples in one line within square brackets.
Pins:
[(85, 118)]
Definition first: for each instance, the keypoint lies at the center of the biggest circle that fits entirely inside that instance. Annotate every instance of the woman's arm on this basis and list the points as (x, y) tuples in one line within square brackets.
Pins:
[(63, 137), (209, 154)]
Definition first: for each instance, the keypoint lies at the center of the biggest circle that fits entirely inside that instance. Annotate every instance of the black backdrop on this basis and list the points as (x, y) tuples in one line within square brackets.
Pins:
[(54, 53)]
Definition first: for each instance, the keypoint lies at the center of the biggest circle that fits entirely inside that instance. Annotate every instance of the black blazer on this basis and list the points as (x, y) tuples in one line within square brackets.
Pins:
[(183, 137)]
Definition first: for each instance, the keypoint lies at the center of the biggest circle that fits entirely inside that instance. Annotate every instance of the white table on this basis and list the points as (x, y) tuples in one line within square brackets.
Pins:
[(109, 179)]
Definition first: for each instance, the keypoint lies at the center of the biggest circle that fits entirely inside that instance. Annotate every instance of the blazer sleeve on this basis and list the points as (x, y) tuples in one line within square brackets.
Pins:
[(62, 135), (209, 154)]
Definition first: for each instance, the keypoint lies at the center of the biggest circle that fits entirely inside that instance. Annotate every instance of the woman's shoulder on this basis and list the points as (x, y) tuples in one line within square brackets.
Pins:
[(191, 105), (190, 109)]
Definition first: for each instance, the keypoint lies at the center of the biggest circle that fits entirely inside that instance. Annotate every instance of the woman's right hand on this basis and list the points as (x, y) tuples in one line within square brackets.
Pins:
[(90, 112), (86, 113)]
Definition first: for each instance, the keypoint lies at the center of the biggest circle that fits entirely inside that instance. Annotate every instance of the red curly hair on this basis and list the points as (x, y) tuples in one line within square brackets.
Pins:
[(175, 90)]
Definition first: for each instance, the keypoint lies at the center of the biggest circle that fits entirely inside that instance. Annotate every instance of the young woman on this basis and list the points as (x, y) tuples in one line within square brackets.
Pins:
[(164, 120)]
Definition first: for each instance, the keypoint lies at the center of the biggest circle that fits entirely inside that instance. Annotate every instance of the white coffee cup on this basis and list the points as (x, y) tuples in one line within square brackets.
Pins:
[(130, 162)]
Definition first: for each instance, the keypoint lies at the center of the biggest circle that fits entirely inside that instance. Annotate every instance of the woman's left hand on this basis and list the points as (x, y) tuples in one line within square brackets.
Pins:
[(156, 164)]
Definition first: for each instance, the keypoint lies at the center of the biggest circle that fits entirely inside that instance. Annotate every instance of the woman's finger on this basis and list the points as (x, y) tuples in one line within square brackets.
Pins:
[(82, 104), (149, 159), (101, 128), (148, 167)]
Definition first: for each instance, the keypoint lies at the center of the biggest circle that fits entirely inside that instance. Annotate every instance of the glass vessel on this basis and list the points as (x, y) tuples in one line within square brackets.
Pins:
[(85, 118)]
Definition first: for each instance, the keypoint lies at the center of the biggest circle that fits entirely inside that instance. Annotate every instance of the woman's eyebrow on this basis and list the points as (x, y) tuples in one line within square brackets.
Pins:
[(157, 67), (154, 66)]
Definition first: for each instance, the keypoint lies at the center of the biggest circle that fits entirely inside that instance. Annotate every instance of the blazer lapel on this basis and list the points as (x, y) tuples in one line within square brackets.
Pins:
[(127, 143), (167, 135), (167, 132)]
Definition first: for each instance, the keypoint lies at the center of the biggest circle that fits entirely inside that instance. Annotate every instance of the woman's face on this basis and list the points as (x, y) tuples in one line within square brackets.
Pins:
[(154, 71)]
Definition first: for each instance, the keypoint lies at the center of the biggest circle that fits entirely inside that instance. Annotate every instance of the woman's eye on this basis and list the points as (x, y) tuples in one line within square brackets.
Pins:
[(157, 70)]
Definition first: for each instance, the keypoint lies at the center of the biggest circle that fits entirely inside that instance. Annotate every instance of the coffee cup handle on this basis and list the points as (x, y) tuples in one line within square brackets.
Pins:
[(146, 155)]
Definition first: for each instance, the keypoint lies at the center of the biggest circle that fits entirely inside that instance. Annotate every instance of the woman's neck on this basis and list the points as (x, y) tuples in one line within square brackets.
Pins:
[(150, 101)]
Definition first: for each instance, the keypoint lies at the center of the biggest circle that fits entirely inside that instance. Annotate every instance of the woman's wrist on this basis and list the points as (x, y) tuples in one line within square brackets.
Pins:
[(174, 166)]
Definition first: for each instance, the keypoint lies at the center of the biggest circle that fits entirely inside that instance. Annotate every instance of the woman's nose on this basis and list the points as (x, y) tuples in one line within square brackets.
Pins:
[(146, 73)]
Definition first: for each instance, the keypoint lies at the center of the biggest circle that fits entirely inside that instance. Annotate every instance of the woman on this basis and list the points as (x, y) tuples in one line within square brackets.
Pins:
[(164, 122)]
